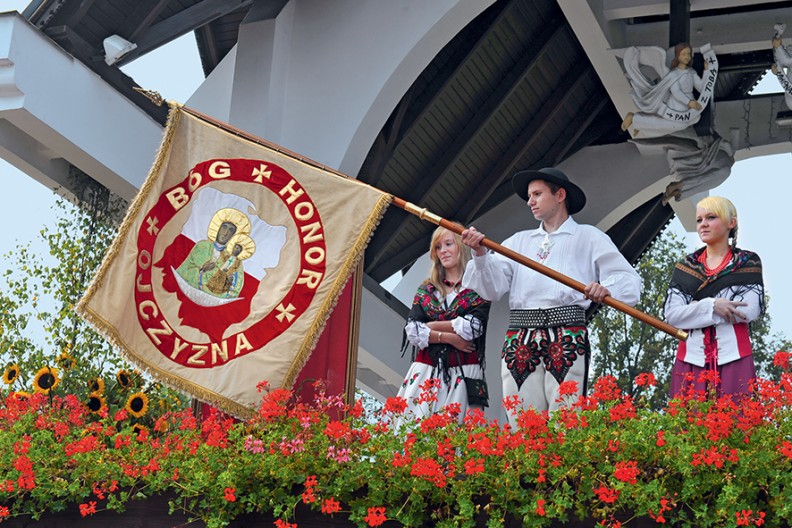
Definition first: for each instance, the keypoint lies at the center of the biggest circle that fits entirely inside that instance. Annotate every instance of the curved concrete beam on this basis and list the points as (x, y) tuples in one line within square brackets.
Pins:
[(48, 124), (323, 77)]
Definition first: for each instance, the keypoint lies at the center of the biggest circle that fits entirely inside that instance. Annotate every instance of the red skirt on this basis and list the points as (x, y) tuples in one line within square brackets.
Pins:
[(735, 378)]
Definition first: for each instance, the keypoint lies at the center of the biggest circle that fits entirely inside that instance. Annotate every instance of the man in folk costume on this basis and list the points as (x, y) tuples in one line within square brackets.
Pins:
[(547, 339)]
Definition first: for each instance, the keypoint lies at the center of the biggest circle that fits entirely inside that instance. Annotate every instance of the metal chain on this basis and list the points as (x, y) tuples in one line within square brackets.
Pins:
[(747, 119)]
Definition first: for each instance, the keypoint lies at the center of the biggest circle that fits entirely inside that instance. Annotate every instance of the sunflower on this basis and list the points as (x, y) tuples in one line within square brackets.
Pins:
[(137, 429), (20, 395), (137, 404), (11, 374), (66, 361), (96, 385), (46, 379), (124, 379), (95, 402)]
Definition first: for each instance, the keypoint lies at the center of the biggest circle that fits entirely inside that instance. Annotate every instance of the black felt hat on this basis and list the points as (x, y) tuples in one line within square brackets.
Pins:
[(576, 198)]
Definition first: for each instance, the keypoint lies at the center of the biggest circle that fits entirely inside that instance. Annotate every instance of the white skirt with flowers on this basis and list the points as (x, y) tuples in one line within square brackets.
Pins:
[(421, 403)]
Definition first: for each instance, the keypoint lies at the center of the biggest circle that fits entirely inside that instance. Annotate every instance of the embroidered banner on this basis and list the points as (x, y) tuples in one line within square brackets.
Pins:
[(229, 262)]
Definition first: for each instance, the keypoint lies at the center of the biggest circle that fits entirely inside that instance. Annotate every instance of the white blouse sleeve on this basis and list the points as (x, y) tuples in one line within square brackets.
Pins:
[(467, 327), (417, 334), (489, 275), (686, 314), (752, 297), (701, 314), (614, 272)]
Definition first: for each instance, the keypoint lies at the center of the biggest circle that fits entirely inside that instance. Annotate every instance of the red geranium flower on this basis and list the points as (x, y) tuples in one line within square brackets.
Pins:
[(785, 449), (627, 471), (473, 466), (568, 388), (781, 359), (336, 430), (395, 405), (230, 494), (746, 518), (88, 509), (376, 516), (606, 494), (606, 389), (330, 506), (645, 379), (429, 470)]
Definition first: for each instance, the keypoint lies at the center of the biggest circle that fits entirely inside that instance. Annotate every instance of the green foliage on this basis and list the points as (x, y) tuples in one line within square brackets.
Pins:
[(766, 343), (605, 459), (625, 347), (39, 327), (608, 458), (372, 407), (40, 293)]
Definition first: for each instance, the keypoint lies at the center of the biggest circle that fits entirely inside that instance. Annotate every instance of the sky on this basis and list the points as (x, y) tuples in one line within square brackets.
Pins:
[(174, 70), (759, 187)]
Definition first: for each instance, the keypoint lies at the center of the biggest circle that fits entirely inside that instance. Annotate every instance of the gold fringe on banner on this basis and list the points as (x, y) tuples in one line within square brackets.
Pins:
[(343, 276), (179, 381)]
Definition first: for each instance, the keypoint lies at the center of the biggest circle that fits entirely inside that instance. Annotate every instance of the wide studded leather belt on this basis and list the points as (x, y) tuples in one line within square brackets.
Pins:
[(538, 318)]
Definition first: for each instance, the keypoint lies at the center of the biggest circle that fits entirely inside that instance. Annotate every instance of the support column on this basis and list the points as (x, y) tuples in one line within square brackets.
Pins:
[(678, 22), (679, 31)]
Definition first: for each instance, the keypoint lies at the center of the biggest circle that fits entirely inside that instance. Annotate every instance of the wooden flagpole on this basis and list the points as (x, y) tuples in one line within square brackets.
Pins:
[(423, 214)]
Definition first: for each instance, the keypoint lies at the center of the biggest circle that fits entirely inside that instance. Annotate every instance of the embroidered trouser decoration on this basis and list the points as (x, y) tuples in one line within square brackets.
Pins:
[(556, 347)]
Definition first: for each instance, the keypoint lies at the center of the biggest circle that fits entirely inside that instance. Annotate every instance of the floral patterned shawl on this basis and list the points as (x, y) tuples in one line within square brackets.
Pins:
[(427, 307)]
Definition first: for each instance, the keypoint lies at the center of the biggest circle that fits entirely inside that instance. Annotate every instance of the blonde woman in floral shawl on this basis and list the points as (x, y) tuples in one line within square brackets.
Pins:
[(446, 328), (715, 293)]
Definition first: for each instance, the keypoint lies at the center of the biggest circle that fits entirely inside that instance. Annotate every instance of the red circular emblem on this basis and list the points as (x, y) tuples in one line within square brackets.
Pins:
[(192, 286)]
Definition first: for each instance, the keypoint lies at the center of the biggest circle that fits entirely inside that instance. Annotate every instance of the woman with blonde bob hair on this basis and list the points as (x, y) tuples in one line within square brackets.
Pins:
[(715, 292), (446, 327)]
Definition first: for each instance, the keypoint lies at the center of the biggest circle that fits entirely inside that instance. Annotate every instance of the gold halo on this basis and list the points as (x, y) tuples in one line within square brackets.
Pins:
[(247, 243), (234, 216)]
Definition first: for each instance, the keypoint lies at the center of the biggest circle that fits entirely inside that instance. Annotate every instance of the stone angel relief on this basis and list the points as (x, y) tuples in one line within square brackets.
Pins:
[(783, 59), (667, 104)]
